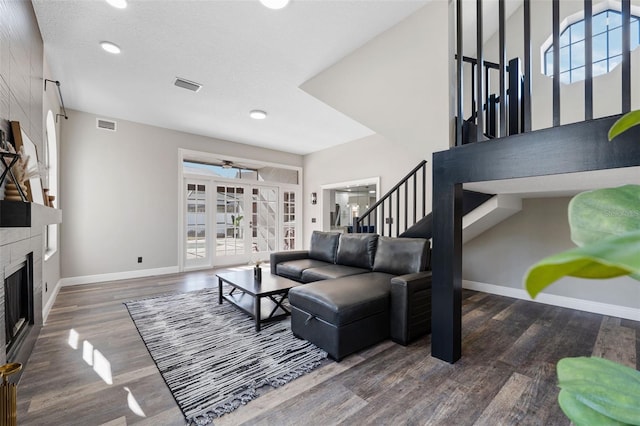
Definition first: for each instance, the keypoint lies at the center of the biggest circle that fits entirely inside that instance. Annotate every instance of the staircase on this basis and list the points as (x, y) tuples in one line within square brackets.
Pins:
[(396, 213)]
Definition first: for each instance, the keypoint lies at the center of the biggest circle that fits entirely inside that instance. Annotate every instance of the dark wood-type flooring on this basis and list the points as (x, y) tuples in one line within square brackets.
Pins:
[(506, 374)]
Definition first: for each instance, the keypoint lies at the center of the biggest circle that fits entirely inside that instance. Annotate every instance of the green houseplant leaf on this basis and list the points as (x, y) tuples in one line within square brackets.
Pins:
[(598, 385), (581, 414), (603, 213), (608, 258), (624, 123)]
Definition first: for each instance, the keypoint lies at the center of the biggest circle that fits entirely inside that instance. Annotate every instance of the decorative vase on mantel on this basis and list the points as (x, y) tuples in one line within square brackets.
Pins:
[(11, 192)]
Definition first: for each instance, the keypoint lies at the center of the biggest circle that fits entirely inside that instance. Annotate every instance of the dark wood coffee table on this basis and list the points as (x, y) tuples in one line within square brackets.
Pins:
[(261, 300)]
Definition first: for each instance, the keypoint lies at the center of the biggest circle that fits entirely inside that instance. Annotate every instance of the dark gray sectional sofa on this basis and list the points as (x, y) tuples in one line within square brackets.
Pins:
[(361, 289)]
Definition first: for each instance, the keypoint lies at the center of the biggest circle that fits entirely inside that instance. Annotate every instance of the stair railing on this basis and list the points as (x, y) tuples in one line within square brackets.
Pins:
[(394, 207)]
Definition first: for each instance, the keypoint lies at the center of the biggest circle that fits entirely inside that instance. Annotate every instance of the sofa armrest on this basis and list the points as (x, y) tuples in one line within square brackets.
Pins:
[(285, 256), (410, 306)]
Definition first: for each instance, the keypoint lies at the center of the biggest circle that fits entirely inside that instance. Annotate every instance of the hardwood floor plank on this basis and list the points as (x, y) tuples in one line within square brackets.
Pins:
[(497, 412), (321, 405), (616, 343), (120, 421), (538, 405)]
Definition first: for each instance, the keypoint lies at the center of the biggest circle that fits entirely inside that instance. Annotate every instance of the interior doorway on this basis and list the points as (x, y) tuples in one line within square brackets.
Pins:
[(344, 201)]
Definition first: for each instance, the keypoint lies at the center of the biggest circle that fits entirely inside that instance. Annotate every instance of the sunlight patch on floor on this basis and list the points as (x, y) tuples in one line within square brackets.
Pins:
[(133, 404), (73, 339), (87, 352), (102, 367)]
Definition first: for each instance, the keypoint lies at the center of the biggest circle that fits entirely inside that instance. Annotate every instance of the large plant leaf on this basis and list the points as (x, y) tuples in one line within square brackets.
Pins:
[(609, 258), (604, 386), (581, 414), (603, 213), (624, 123), (599, 214)]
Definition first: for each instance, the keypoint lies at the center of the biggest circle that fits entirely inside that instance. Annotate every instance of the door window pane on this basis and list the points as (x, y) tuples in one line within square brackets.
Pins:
[(265, 208), (196, 243), (289, 225), (230, 221)]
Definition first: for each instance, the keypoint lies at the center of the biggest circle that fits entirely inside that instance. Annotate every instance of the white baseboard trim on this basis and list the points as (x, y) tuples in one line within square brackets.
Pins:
[(115, 276), (555, 300), (51, 301)]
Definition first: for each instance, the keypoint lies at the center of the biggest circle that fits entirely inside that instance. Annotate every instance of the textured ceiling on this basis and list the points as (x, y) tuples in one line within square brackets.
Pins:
[(245, 55)]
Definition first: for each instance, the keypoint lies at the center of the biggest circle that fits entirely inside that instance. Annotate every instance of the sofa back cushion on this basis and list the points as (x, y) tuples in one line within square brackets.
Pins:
[(357, 250), (400, 256), (324, 246)]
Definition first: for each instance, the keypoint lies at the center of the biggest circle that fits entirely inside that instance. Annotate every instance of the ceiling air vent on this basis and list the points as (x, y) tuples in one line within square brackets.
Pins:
[(186, 84), (106, 124)]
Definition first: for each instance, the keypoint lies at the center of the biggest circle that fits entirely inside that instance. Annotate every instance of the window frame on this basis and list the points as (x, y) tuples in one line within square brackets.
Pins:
[(51, 240), (610, 64)]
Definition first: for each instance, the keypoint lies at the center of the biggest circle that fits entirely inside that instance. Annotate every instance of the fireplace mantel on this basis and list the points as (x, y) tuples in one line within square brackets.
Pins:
[(16, 214)]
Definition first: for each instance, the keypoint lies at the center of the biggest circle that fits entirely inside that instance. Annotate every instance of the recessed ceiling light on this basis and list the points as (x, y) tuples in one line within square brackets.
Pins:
[(275, 4), (256, 114), (110, 47), (119, 4)]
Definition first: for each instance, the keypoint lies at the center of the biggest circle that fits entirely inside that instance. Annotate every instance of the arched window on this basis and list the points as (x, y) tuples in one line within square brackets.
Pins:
[(607, 46), (51, 180)]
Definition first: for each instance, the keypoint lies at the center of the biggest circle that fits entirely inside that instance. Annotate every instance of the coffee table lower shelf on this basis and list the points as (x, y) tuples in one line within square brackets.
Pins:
[(246, 303)]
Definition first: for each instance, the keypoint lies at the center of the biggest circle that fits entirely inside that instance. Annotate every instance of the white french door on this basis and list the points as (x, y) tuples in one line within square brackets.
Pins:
[(197, 243), (246, 223), (227, 223), (232, 244)]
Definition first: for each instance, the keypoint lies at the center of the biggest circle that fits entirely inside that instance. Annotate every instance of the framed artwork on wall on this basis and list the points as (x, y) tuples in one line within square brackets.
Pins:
[(35, 194)]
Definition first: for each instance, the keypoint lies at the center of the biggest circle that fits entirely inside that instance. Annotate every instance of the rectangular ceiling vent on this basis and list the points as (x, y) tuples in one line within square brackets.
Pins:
[(106, 124), (186, 84)]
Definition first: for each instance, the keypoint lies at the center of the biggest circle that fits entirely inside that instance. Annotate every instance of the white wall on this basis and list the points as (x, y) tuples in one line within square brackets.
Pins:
[(397, 85), (120, 193), (502, 255)]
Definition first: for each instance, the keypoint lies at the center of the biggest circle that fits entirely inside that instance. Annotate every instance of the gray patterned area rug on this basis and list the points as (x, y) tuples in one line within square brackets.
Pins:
[(210, 355)]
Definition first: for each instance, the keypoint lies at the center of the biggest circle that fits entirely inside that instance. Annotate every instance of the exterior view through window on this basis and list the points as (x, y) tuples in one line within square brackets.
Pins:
[(607, 46)]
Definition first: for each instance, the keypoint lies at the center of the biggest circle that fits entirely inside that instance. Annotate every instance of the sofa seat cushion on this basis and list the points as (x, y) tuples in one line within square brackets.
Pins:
[(344, 300), (294, 268), (328, 272)]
